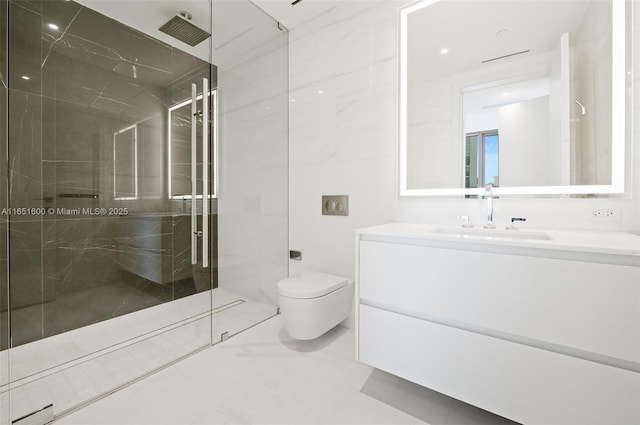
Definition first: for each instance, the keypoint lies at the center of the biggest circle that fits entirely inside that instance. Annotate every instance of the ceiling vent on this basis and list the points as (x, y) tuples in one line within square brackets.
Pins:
[(505, 56)]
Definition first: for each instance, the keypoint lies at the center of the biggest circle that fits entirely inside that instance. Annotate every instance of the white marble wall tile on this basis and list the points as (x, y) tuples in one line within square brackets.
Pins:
[(242, 129), (354, 46), (312, 124), (240, 234), (274, 198), (370, 184), (316, 238), (270, 275), (362, 131), (307, 185), (359, 140), (273, 137), (313, 55), (240, 274), (319, 22), (271, 239)]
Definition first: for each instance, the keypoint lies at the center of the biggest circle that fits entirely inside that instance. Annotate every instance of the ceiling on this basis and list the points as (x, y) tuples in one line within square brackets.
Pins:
[(473, 32), (292, 16)]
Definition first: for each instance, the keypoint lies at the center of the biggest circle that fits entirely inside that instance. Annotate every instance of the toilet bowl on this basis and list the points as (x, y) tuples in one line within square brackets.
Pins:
[(312, 303)]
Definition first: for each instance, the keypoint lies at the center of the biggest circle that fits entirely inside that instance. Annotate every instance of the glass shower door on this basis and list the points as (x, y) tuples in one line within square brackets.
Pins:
[(4, 281), (109, 274)]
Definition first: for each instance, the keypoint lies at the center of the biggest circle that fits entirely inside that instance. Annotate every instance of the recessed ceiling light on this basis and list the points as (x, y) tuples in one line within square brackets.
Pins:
[(505, 94), (444, 51), (25, 77), (293, 100), (53, 26), (320, 92)]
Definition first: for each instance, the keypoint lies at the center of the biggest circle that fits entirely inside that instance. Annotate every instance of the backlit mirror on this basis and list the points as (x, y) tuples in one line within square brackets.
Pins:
[(530, 96)]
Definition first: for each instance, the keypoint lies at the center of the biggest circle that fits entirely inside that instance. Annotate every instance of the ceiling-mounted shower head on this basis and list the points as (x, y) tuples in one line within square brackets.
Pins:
[(179, 27)]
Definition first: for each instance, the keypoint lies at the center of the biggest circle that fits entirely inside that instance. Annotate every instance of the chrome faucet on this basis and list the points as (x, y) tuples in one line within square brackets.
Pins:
[(488, 195)]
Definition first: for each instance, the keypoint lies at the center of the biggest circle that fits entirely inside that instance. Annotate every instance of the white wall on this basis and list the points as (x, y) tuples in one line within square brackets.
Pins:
[(344, 141), (525, 144), (433, 161), (559, 118), (592, 58)]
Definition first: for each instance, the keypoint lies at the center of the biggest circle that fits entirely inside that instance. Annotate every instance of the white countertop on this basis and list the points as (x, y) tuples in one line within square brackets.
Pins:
[(578, 241)]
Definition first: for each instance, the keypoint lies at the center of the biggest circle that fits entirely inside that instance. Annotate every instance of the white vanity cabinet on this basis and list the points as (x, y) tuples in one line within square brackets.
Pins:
[(538, 331)]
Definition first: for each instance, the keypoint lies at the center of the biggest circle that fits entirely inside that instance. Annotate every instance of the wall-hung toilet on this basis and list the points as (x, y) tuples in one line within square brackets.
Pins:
[(313, 302)]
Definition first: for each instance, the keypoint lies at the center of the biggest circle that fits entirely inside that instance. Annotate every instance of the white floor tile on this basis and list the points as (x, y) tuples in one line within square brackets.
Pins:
[(260, 376)]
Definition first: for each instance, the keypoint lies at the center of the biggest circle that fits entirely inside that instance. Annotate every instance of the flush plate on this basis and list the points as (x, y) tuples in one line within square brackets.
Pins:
[(335, 205)]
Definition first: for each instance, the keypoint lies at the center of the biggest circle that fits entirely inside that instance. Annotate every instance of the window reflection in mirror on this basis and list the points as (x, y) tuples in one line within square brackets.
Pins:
[(482, 159)]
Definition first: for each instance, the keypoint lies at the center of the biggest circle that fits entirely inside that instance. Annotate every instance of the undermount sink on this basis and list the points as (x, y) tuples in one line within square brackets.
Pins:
[(492, 233)]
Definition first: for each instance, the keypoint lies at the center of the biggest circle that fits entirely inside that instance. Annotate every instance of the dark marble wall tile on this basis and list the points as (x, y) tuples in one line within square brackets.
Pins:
[(4, 281), (77, 131), (145, 246), (61, 13), (85, 270), (98, 79), (85, 83), (4, 286), (4, 173), (34, 6), (24, 46), (181, 247), (4, 43), (94, 305), (152, 159), (81, 254), (24, 150), (25, 277), (149, 59), (188, 70), (181, 150), (74, 81)]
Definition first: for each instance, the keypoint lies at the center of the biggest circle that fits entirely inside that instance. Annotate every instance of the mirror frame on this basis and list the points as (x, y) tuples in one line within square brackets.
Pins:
[(618, 123)]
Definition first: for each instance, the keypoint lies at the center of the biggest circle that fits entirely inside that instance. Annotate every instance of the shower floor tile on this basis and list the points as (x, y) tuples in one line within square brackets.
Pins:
[(85, 363)]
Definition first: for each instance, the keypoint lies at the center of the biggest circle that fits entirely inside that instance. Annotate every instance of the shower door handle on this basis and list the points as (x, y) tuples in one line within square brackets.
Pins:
[(194, 217), (205, 172), (195, 233)]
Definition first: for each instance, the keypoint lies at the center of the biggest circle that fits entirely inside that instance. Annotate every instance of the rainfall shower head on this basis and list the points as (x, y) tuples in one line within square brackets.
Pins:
[(179, 27)]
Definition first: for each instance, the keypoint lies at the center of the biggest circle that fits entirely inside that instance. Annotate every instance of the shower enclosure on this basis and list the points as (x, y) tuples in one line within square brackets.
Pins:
[(143, 191)]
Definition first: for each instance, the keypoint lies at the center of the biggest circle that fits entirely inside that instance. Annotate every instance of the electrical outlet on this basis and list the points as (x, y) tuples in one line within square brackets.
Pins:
[(603, 213)]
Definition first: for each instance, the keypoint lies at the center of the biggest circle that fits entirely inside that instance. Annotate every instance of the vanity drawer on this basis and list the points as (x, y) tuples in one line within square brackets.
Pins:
[(523, 383), (570, 305)]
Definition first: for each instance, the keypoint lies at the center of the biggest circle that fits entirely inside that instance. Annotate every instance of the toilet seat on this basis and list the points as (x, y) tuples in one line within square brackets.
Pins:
[(310, 285)]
